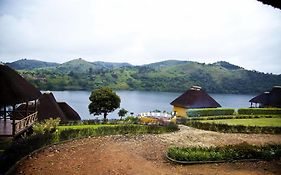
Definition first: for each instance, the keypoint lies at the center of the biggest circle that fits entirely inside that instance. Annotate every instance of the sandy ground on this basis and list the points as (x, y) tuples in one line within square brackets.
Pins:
[(143, 155)]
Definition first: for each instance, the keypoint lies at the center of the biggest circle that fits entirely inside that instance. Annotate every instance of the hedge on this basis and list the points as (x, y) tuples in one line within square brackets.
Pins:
[(259, 111), (67, 134), (240, 151), (219, 127), (209, 112)]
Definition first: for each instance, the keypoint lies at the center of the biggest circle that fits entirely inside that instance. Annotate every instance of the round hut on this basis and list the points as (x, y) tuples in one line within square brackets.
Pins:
[(195, 97), (268, 99)]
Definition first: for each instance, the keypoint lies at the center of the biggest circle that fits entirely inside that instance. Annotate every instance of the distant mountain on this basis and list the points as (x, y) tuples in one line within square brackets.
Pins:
[(111, 65), (77, 65), (227, 65), (26, 64), (170, 75), (166, 63), (82, 66)]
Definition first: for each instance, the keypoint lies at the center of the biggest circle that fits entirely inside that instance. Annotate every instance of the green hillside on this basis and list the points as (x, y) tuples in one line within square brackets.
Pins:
[(171, 75), (25, 64)]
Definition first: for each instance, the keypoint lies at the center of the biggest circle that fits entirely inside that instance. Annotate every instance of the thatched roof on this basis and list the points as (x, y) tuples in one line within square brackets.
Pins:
[(50, 108), (262, 98), (273, 3), (271, 98), (68, 111), (195, 97), (14, 89)]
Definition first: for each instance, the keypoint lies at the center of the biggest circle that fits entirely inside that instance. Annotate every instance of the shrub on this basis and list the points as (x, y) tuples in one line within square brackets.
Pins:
[(259, 111), (219, 127), (115, 130), (132, 120), (148, 120), (227, 153), (209, 112), (47, 126)]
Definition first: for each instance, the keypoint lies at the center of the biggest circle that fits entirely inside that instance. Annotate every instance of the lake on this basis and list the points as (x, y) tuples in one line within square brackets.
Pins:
[(143, 101)]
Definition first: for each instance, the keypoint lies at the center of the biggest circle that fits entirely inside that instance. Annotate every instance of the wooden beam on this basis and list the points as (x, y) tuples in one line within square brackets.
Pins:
[(26, 108), (14, 121), (35, 103), (5, 113)]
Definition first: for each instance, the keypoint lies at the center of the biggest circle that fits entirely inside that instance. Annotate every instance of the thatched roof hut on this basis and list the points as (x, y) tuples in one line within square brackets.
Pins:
[(269, 99), (50, 108), (14, 89), (68, 111), (195, 97)]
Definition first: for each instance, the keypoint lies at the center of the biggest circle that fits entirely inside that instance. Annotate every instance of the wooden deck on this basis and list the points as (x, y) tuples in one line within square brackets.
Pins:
[(6, 127)]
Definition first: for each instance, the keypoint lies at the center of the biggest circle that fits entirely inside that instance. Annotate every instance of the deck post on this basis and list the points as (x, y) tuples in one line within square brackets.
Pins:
[(35, 103), (5, 113), (26, 108), (14, 122)]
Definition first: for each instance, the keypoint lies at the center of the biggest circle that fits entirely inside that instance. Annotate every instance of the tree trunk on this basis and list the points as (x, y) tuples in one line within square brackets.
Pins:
[(104, 117)]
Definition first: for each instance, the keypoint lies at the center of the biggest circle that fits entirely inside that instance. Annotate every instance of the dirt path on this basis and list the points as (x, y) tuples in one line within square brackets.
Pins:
[(143, 154)]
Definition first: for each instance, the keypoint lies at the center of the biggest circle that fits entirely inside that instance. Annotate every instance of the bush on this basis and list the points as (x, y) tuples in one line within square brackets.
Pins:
[(259, 111), (132, 120), (209, 112), (227, 153), (47, 126), (219, 127), (115, 130), (148, 120)]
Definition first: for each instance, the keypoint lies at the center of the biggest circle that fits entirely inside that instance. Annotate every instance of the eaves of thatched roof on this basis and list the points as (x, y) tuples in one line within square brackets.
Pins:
[(195, 97), (14, 89)]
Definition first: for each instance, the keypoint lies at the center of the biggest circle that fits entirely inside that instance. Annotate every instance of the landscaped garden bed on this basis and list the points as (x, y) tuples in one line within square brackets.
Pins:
[(243, 151), (222, 127)]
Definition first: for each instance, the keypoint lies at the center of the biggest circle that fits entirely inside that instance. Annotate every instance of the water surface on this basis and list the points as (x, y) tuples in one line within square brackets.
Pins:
[(143, 101)]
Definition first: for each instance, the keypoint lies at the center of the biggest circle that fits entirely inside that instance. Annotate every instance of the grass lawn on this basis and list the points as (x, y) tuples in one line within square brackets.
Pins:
[(276, 122), (81, 126)]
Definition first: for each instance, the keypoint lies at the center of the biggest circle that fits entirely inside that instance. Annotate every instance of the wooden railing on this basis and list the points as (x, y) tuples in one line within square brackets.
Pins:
[(24, 123)]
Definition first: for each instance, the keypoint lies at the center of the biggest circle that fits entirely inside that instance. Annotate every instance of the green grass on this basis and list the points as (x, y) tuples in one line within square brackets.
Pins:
[(275, 122)]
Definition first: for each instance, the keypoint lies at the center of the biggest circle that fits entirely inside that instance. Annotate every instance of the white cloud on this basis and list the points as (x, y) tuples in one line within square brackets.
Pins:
[(243, 32)]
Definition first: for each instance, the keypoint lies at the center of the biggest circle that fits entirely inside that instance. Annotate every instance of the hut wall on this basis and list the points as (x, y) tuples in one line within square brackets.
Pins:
[(181, 112)]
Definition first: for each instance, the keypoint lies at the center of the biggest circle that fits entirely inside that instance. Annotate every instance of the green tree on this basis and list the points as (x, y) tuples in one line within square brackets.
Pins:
[(122, 112), (103, 101)]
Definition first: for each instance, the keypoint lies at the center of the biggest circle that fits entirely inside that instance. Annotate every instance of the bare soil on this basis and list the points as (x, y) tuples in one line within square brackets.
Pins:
[(143, 155)]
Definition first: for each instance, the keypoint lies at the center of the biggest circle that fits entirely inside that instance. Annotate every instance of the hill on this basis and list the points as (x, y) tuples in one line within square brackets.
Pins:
[(25, 64), (171, 75), (82, 66)]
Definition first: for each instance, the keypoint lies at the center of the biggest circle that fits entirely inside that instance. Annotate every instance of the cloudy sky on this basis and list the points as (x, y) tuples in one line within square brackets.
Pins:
[(242, 32)]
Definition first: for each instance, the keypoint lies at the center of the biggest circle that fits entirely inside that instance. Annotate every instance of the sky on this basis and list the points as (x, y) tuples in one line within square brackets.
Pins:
[(243, 32)]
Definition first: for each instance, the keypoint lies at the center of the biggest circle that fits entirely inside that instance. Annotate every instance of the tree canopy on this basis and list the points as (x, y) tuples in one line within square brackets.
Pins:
[(103, 101), (122, 112)]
